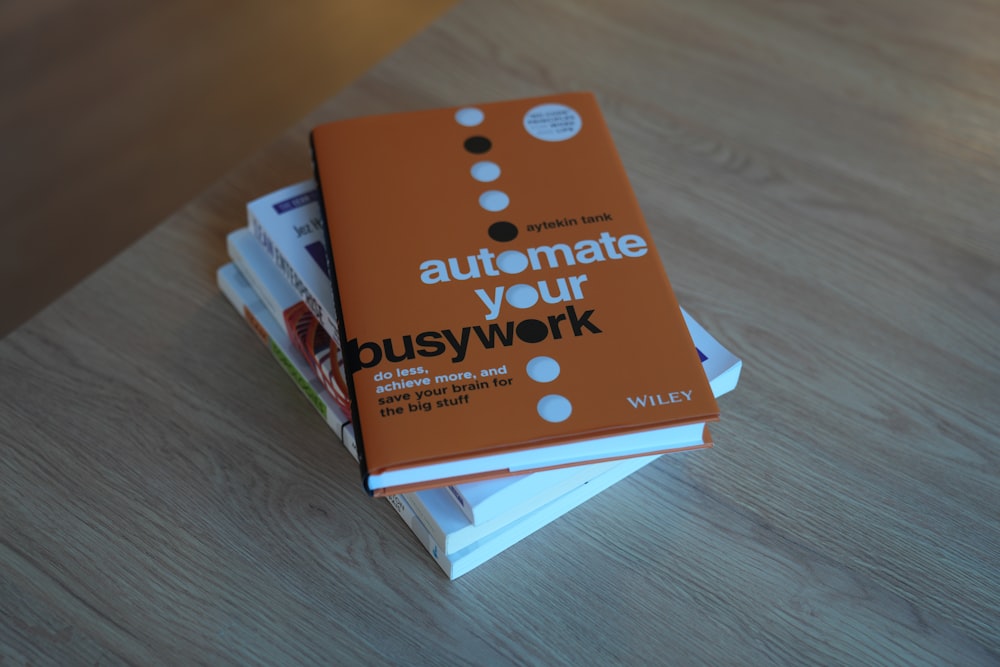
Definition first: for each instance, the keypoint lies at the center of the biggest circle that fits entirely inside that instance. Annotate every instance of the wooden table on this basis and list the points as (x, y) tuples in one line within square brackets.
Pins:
[(822, 179)]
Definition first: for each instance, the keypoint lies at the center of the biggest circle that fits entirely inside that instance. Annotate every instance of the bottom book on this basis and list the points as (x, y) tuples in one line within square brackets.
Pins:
[(416, 509)]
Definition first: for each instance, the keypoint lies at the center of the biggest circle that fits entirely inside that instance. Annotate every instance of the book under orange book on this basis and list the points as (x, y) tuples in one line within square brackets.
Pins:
[(503, 307)]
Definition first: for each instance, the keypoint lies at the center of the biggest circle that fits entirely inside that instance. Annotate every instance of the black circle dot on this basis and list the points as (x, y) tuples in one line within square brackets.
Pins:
[(532, 331), (503, 231), (478, 144)]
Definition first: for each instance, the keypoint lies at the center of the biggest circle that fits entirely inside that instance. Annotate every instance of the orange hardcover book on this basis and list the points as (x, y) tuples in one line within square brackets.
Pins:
[(502, 305)]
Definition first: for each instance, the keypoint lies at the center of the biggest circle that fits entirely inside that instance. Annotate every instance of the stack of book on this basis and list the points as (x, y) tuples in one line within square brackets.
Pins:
[(466, 498)]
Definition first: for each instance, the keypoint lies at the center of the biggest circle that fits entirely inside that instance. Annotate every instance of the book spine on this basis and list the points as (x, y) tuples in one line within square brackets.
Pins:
[(432, 526), (264, 295), (303, 329), (335, 285), (301, 382), (333, 420), (287, 269), (420, 530)]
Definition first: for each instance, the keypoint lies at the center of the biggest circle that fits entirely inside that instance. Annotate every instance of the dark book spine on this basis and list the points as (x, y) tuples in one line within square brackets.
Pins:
[(342, 326)]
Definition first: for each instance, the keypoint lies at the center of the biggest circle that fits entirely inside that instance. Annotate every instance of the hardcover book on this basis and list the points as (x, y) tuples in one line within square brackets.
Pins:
[(284, 224), (501, 303)]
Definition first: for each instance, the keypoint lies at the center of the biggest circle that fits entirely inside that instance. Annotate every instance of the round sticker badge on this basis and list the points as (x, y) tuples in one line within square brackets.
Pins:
[(552, 122)]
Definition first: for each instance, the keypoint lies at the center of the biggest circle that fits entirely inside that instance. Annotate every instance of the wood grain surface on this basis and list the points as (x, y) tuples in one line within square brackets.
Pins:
[(821, 179), (114, 113)]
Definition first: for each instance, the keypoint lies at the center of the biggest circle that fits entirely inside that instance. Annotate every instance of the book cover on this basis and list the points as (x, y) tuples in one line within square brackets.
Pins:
[(496, 283)]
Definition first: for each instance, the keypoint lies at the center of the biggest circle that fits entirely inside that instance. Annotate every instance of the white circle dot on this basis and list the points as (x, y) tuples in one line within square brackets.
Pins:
[(512, 261), (554, 408), (522, 296), (486, 171), (494, 200), (469, 116), (543, 369)]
